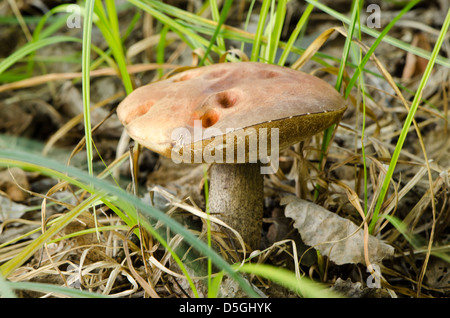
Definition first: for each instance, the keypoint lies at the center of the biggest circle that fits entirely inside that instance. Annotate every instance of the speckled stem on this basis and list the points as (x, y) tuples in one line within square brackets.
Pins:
[(236, 197)]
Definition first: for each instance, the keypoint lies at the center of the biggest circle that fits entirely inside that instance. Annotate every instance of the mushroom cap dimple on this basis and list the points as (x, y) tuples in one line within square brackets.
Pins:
[(228, 97)]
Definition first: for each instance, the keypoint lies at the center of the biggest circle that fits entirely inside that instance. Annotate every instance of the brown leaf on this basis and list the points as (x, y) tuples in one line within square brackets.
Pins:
[(338, 238), (12, 182)]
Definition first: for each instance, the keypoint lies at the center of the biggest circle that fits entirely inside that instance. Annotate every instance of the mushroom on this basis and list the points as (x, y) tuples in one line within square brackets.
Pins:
[(236, 116)]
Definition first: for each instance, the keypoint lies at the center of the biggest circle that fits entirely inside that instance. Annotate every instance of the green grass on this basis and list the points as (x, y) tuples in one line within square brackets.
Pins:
[(220, 21), (7, 290), (85, 68)]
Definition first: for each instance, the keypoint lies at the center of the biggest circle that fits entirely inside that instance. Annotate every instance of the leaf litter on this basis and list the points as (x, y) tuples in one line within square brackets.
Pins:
[(330, 225)]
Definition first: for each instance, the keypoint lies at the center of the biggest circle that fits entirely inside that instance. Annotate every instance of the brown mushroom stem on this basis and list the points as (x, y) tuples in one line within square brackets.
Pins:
[(236, 197)]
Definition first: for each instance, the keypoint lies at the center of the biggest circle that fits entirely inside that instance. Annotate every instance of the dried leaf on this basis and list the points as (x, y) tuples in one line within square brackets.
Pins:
[(416, 65), (338, 238)]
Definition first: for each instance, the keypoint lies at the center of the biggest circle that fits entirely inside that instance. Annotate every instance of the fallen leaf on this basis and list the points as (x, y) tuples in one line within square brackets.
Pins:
[(438, 273), (336, 237)]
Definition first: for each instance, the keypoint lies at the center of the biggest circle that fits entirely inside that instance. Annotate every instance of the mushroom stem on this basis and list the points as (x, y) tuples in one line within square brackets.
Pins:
[(236, 197)]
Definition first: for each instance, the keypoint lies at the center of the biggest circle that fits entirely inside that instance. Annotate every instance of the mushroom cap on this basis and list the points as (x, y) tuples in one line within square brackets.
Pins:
[(200, 107)]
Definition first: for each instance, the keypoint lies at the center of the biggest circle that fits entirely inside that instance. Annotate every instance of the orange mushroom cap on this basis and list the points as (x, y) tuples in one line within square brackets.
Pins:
[(230, 96)]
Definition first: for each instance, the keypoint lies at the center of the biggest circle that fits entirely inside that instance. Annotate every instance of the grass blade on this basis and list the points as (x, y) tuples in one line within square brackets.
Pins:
[(85, 65), (259, 30), (111, 34), (218, 17), (276, 31), (152, 7), (348, 42), (6, 291), (328, 133), (378, 40), (31, 47), (223, 16)]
